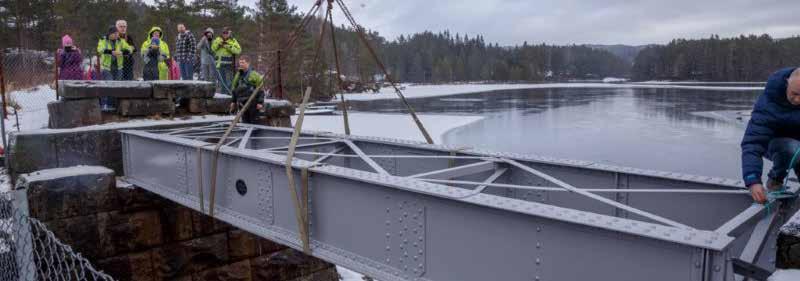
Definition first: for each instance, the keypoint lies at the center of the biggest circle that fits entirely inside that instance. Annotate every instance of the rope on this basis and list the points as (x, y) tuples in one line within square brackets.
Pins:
[(301, 208), (222, 81), (215, 156), (360, 32), (345, 117), (782, 193)]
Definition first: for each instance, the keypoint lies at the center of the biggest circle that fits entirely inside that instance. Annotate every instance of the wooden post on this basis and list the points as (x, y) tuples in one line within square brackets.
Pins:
[(55, 72), (3, 83)]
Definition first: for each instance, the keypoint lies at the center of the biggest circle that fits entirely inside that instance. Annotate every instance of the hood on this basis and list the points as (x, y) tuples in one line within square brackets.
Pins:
[(154, 29), (66, 41), (775, 90)]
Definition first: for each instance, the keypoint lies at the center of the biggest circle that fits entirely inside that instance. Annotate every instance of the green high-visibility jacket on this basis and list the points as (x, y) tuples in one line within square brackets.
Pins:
[(163, 48), (104, 49), (251, 81), (224, 52)]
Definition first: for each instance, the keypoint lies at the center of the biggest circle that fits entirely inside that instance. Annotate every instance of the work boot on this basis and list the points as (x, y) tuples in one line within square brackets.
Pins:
[(773, 185)]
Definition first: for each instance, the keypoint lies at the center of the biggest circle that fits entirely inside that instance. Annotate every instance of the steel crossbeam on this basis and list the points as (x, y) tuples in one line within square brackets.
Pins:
[(459, 171), (430, 214)]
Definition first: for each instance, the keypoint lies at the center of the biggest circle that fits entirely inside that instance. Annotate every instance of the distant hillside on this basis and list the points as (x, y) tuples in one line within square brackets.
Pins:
[(625, 52)]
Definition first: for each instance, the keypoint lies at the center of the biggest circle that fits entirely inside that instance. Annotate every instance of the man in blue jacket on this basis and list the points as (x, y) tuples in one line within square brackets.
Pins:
[(774, 133)]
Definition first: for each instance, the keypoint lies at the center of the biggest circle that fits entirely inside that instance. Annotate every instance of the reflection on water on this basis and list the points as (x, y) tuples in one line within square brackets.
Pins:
[(643, 128)]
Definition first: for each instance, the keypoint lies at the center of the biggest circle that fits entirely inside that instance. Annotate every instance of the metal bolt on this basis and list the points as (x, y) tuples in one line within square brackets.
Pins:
[(717, 268)]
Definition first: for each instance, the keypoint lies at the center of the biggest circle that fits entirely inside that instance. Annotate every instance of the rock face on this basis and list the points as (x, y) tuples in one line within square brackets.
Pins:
[(132, 234), (74, 113)]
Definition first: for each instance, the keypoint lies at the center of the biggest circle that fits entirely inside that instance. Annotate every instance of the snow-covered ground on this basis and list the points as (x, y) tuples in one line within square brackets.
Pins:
[(785, 275), (397, 126), (32, 110), (421, 91)]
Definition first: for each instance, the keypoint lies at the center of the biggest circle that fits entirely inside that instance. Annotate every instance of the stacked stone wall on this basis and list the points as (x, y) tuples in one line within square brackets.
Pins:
[(132, 234)]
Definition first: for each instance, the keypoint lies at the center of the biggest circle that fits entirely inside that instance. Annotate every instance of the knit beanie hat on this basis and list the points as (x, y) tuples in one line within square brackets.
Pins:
[(111, 29), (66, 41)]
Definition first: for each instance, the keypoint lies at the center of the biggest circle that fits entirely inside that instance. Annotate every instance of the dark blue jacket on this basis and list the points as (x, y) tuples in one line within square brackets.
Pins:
[(773, 117)]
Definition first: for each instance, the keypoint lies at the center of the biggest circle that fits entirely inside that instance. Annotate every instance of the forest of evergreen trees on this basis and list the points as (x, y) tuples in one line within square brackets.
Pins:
[(425, 57), (743, 58)]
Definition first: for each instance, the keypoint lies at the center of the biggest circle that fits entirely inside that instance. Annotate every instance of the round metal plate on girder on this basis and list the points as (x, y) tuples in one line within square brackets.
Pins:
[(241, 187)]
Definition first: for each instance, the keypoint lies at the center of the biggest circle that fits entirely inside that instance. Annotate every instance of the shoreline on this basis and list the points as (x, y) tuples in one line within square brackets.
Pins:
[(427, 91)]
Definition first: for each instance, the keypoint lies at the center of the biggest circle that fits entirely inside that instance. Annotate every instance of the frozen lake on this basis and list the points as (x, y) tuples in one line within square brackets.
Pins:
[(660, 128)]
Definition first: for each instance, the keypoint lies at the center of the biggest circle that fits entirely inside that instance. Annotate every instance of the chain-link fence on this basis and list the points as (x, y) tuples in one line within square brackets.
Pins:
[(29, 81), (29, 251)]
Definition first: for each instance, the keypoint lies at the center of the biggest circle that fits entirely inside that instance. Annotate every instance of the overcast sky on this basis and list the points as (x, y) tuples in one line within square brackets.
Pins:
[(634, 22)]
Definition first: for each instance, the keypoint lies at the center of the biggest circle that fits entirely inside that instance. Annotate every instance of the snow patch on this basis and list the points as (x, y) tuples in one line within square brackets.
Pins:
[(349, 275), (5, 181), (57, 173), (395, 126), (139, 123), (614, 80), (785, 275)]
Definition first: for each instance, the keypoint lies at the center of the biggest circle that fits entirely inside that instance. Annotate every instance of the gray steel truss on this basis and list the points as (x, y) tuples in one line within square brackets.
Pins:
[(400, 210)]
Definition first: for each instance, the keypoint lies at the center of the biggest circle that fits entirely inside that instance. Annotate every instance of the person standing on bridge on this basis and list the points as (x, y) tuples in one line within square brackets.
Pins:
[(128, 59), (155, 54), (112, 52), (773, 132), (207, 67), (185, 45), (69, 60), (244, 83), (226, 48)]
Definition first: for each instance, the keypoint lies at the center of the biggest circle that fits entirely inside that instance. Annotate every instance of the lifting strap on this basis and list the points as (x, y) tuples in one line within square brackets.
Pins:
[(338, 69), (301, 206)]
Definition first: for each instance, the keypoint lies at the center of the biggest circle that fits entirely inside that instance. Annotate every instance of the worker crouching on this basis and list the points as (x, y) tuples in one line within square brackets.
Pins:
[(244, 83)]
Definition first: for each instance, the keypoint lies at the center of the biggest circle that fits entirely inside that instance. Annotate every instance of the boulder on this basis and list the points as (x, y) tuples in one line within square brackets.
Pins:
[(74, 113), (80, 89), (145, 107)]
